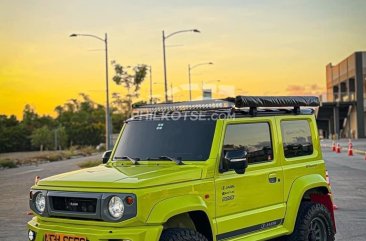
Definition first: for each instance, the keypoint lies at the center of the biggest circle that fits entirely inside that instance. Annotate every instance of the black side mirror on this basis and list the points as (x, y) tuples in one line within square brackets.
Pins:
[(106, 156), (237, 160)]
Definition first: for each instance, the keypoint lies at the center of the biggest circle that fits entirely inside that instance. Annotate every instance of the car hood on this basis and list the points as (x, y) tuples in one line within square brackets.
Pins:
[(131, 176)]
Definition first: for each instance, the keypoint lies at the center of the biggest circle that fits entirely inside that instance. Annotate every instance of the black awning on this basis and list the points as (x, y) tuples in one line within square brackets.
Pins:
[(276, 101)]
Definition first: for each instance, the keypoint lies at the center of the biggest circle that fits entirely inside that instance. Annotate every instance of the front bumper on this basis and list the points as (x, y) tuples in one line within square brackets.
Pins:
[(96, 233)]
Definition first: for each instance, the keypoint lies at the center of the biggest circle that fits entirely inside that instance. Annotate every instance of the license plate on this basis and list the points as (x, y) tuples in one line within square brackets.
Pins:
[(62, 237)]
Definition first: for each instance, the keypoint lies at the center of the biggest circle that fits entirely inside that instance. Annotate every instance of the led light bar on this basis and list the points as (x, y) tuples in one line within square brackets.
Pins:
[(186, 106)]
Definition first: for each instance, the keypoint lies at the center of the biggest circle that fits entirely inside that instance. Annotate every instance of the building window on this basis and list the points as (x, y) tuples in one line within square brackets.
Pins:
[(254, 138), (296, 138)]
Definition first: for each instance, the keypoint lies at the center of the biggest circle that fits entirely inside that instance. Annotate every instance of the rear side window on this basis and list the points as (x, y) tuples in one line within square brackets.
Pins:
[(254, 138), (296, 137)]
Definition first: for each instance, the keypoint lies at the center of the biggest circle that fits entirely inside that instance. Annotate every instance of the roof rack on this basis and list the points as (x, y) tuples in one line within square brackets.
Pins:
[(236, 104)]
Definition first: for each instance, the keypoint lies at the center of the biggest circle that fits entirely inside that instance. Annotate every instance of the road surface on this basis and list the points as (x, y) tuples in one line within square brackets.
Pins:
[(14, 188)]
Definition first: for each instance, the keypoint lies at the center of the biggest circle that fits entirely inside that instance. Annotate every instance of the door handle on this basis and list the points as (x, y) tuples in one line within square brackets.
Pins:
[(272, 178)]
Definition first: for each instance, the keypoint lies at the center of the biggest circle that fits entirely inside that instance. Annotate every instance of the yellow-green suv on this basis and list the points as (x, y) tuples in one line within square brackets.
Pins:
[(244, 168)]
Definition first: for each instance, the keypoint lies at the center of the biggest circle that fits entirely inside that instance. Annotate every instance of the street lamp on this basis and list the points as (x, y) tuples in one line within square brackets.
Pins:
[(107, 116), (189, 75), (164, 56), (151, 83)]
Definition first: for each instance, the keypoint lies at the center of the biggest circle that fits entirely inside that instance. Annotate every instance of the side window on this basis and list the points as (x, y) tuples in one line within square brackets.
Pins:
[(296, 137), (254, 138)]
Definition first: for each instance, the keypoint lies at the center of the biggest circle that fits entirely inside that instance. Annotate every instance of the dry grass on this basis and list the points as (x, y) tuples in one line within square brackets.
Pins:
[(11, 160), (91, 163), (6, 163)]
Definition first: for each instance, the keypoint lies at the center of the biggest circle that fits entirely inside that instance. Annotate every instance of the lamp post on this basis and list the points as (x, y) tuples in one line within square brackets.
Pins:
[(107, 111), (171, 91), (189, 76), (151, 84), (164, 56)]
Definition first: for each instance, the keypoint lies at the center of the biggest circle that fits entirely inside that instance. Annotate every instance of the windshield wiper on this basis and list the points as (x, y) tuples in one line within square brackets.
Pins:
[(177, 160), (134, 161)]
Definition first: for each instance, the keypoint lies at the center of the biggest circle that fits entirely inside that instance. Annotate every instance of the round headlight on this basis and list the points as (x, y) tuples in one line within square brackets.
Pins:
[(116, 207), (40, 202)]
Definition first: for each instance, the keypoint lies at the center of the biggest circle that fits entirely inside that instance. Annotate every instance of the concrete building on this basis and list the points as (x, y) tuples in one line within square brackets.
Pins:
[(344, 112)]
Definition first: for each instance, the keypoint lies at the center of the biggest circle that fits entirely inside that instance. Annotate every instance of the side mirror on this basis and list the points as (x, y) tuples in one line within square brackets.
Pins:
[(106, 156), (237, 160)]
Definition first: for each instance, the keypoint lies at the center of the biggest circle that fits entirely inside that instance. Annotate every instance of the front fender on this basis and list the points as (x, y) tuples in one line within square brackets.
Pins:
[(297, 191), (170, 207)]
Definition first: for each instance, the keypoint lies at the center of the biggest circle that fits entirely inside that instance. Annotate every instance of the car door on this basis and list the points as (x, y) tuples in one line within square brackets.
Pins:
[(252, 201)]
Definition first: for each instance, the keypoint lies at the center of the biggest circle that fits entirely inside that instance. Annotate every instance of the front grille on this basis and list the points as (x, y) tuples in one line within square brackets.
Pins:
[(86, 205), (71, 204), (74, 205)]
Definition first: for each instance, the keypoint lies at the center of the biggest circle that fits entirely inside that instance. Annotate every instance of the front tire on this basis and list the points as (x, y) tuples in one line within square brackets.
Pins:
[(313, 223), (180, 234)]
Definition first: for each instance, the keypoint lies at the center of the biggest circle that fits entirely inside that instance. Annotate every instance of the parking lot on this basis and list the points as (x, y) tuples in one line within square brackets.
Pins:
[(347, 174), (348, 180)]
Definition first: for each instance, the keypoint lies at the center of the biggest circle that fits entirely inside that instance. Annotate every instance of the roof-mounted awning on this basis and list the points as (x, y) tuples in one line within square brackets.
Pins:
[(276, 101)]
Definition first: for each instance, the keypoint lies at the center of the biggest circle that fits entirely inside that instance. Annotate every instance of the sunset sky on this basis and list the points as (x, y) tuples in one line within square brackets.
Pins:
[(277, 47)]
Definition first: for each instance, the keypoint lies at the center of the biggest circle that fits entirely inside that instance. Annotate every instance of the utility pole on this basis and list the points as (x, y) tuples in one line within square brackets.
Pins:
[(108, 125)]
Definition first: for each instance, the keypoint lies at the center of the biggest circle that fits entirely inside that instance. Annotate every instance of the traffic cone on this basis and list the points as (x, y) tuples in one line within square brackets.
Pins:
[(333, 146), (338, 150), (350, 151), (335, 207)]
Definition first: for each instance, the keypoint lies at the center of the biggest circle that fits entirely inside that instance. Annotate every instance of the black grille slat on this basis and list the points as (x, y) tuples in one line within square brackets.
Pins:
[(72, 204)]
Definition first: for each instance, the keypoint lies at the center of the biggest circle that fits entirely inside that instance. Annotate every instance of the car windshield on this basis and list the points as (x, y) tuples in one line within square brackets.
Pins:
[(183, 139)]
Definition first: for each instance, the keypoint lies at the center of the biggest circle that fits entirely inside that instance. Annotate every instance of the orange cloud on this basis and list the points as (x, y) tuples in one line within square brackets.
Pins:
[(313, 89)]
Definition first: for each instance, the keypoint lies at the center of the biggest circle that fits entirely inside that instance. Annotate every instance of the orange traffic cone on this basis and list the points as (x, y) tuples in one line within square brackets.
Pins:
[(350, 151), (333, 146), (330, 187), (338, 150)]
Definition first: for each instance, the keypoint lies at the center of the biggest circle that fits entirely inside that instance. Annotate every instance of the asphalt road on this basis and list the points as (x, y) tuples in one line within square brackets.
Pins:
[(348, 181), (347, 174), (14, 188)]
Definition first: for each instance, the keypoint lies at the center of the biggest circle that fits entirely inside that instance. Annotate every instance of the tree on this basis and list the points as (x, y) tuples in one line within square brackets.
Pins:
[(32, 121), (42, 138), (61, 138), (83, 120), (13, 135), (131, 80)]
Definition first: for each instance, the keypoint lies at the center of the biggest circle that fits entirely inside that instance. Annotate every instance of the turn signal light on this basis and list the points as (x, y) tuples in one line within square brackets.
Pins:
[(129, 200)]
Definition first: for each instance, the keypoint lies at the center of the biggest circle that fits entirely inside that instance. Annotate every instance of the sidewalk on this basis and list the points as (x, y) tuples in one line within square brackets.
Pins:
[(359, 145)]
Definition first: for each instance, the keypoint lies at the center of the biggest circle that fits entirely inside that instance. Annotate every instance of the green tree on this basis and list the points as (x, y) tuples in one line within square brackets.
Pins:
[(131, 79), (83, 120), (13, 135), (61, 138), (42, 138)]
